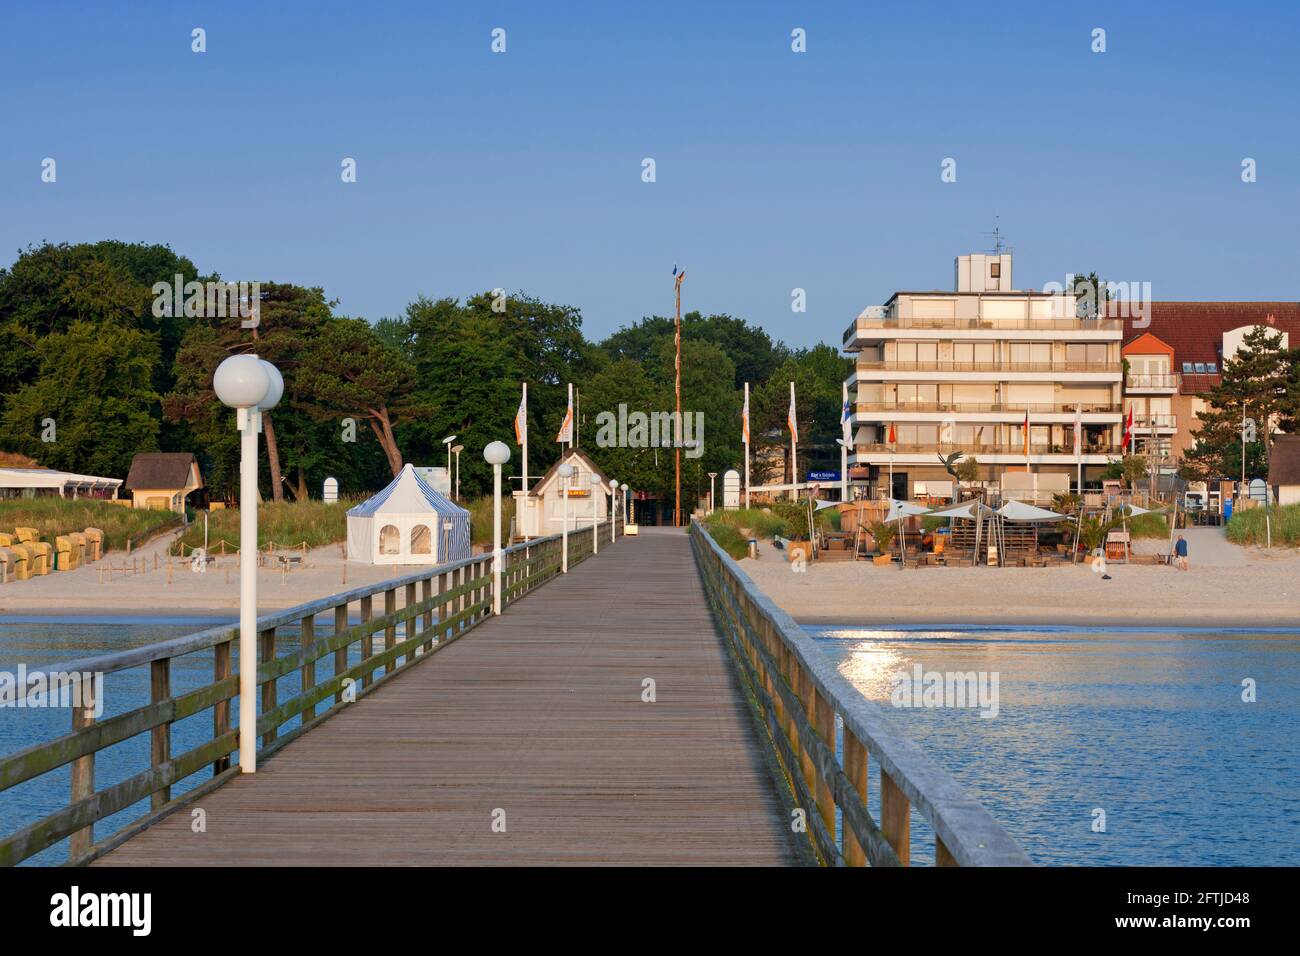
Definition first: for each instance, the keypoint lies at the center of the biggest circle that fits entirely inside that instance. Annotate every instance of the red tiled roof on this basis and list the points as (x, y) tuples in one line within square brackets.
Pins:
[(1195, 329)]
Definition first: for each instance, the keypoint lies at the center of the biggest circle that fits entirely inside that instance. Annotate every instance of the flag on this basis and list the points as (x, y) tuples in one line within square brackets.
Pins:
[(744, 421), (1078, 431), (845, 415), (891, 438), (791, 418), (1128, 430), (1026, 432), (566, 429), (521, 421)]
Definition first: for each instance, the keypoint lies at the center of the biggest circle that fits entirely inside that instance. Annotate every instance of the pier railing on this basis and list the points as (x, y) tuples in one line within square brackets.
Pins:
[(430, 608), (801, 697)]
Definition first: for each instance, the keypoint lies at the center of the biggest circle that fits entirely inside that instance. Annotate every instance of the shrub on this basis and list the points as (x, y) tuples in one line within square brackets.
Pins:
[(762, 523), (884, 535), (728, 538)]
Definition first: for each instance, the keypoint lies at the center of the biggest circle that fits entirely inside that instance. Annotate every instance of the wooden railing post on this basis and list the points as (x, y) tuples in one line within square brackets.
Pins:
[(895, 818), (83, 768), (341, 653), (412, 621), (855, 768), (824, 722), (308, 667), (160, 737), (390, 629), (426, 593), (446, 581), (221, 670), (266, 653), (367, 615)]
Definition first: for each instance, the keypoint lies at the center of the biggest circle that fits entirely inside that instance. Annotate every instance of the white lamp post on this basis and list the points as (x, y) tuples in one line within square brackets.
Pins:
[(613, 508), (447, 441), (496, 454), (712, 507), (251, 386), (566, 472), (456, 450), (595, 490)]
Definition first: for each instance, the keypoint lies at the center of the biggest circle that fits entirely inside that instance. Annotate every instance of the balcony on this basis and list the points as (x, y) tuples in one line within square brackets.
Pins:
[(1099, 367), (1015, 448), (1142, 382), (1160, 422), (1018, 408), (861, 325)]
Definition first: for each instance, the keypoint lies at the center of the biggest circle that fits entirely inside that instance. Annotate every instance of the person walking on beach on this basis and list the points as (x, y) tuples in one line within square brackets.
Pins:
[(1180, 554)]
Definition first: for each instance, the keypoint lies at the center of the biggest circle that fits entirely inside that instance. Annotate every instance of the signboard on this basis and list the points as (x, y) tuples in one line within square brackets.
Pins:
[(330, 493), (1258, 489), (731, 490), (824, 475)]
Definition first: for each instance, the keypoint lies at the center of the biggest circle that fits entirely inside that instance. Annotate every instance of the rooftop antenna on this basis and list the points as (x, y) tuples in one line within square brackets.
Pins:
[(999, 246)]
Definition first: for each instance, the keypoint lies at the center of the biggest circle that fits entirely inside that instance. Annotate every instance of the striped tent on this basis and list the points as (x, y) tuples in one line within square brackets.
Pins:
[(408, 523)]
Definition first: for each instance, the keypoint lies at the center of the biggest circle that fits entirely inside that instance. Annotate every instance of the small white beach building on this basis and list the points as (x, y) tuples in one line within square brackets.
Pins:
[(408, 523), (543, 507)]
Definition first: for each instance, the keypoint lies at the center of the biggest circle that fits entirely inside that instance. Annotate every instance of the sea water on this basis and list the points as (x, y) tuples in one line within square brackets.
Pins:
[(1109, 746)]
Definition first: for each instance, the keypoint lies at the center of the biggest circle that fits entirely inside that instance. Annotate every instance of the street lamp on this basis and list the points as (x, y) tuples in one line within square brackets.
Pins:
[(447, 441), (712, 507), (496, 454), (250, 386), (456, 450), (595, 489), (613, 508), (566, 472)]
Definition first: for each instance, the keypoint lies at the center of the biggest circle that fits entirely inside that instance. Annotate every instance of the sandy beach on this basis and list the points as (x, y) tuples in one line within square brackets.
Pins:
[(109, 587), (1228, 587)]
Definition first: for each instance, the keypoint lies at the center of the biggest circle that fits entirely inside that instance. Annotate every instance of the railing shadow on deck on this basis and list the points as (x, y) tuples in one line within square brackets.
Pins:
[(799, 695), (452, 599)]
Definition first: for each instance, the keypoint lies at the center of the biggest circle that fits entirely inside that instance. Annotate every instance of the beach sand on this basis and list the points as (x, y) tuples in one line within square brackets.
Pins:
[(1245, 587), (97, 589)]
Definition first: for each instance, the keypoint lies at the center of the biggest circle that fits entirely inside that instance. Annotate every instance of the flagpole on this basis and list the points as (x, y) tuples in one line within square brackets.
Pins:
[(523, 455), (1078, 450), (794, 448), (746, 446), (677, 391), (570, 412)]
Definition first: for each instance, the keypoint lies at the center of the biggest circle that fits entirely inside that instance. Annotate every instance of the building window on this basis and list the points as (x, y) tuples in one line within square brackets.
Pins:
[(995, 270)]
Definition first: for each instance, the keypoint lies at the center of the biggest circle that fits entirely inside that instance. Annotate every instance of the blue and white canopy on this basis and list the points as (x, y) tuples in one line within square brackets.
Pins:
[(408, 523)]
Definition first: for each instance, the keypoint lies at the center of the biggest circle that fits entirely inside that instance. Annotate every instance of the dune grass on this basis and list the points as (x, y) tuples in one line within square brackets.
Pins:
[(288, 524), (55, 516), (763, 524), (480, 519), (1248, 526)]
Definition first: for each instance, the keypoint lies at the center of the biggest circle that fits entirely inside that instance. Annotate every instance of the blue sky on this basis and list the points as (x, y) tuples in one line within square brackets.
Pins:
[(775, 170)]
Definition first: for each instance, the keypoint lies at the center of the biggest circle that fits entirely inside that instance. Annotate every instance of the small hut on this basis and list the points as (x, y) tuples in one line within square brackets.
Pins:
[(408, 523)]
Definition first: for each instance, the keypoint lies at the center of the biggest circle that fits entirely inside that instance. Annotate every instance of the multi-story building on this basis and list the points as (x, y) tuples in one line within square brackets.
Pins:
[(938, 372), (1176, 351)]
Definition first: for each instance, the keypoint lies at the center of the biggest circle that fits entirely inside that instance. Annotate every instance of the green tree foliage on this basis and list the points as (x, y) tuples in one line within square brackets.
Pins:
[(818, 375), (93, 382), (348, 370)]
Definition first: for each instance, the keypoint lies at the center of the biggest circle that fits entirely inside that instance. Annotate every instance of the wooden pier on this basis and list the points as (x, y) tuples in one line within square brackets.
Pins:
[(649, 707)]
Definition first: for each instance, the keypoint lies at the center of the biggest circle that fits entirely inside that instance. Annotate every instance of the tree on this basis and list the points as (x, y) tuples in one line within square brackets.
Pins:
[(89, 406), (1091, 293), (349, 371), (1129, 468), (1256, 392)]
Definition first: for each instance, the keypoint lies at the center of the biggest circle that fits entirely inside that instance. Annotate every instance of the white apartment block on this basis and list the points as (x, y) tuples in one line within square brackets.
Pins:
[(957, 371)]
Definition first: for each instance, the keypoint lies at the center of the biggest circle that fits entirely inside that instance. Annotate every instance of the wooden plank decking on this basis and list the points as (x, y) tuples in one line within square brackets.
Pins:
[(537, 713)]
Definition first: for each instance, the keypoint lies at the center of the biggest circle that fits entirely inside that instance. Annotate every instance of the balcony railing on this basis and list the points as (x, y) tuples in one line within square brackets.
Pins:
[(1109, 367), (1148, 422), (1018, 407), (1015, 448), (1062, 325), (1136, 381)]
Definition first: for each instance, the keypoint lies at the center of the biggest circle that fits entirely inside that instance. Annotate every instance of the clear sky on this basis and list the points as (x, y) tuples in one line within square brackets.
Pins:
[(775, 169)]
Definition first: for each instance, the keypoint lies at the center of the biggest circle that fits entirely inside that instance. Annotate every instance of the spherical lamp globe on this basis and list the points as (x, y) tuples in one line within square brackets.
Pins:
[(241, 381), (496, 453)]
